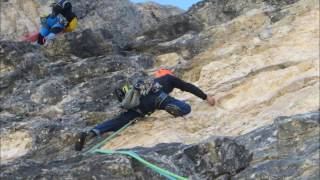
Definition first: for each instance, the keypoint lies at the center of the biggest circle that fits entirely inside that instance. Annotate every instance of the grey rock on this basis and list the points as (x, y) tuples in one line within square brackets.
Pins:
[(54, 93), (271, 152), (50, 92), (152, 13), (87, 43), (167, 30), (287, 149), (207, 160), (119, 17), (186, 33), (37, 84), (214, 12)]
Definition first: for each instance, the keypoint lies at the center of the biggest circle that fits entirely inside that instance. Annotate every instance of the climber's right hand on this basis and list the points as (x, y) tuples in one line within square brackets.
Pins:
[(211, 100)]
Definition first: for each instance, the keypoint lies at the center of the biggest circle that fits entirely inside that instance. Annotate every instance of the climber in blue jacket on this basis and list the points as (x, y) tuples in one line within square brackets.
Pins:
[(51, 25), (62, 19)]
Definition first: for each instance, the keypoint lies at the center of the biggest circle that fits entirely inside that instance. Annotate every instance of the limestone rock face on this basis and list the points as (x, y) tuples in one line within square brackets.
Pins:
[(181, 33), (213, 12), (19, 17), (50, 94), (152, 13), (207, 160), (167, 30), (260, 59), (15, 144), (286, 149), (85, 44), (289, 148), (257, 69)]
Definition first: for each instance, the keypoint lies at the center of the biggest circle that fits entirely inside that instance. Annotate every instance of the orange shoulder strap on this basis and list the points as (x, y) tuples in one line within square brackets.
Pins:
[(162, 72)]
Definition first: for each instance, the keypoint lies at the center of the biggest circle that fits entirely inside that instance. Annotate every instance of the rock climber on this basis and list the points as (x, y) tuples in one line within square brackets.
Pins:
[(153, 95), (61, 19)]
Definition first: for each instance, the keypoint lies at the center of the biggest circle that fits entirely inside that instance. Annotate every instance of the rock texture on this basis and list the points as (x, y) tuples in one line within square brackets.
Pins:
[(257, 69), (259, 58), (181, 33), (289, 148), (19, 17), (204, 161), (152, 13), (40, 91), (214, 12), (286, 149)]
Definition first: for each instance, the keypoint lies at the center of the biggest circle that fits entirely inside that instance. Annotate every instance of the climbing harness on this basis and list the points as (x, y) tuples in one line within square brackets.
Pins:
[(96, 149), (129, 95)]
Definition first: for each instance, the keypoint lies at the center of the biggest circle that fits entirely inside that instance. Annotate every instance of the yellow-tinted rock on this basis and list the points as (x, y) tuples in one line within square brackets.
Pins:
[(168, 60), (14, 145), (258, 71)]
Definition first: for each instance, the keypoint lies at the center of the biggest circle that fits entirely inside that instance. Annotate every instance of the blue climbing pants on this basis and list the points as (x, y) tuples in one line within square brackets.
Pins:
[(170, 104)]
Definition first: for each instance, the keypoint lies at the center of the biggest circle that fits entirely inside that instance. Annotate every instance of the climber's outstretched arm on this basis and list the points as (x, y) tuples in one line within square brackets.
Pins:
[(185, 86)]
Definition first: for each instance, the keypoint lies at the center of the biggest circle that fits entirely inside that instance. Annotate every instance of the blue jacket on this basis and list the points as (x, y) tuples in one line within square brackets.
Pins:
[(53, 21)]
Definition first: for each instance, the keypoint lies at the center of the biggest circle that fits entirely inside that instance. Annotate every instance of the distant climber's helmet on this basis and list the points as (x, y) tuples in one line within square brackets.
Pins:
[(66, 5), (56, 8)]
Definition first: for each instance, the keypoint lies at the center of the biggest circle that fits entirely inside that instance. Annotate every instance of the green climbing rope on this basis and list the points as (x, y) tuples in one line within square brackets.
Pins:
[(161, 171), (109, 138), (134, 155)]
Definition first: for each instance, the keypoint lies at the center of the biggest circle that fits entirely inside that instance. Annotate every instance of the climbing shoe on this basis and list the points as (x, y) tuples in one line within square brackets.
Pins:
[(81, 138)]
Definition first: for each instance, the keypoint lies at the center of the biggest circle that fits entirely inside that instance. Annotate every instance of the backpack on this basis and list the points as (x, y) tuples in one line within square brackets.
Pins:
[(131, 99), (129, 95)]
